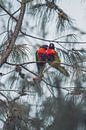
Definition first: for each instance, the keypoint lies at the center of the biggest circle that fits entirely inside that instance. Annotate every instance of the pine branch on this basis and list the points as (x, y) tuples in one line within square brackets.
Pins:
[(42, 39), (13, 38)]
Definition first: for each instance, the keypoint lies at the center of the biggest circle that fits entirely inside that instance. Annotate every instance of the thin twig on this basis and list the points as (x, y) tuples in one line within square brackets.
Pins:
[(3, 14), (3, 32), (9, 21), (3, 96), (32, 62)]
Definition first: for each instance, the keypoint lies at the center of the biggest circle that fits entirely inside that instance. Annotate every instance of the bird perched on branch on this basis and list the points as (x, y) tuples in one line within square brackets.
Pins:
[(41, 58), (47, 54)]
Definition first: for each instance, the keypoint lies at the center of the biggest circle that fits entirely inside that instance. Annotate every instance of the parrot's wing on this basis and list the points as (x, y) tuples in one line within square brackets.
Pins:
[(61, 69)]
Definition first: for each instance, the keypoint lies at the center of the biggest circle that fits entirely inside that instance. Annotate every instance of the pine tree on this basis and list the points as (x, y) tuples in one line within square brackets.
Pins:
[(43, 102)]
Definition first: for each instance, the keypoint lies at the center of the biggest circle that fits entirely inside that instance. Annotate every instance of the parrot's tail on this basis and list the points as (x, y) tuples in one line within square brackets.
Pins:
[(61, 69)]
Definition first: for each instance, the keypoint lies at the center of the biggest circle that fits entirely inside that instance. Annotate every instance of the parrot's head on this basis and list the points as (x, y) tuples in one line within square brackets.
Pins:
[(51, 46)]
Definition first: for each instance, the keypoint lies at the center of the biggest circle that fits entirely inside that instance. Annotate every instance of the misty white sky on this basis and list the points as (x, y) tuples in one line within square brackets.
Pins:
[(76, 10)]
